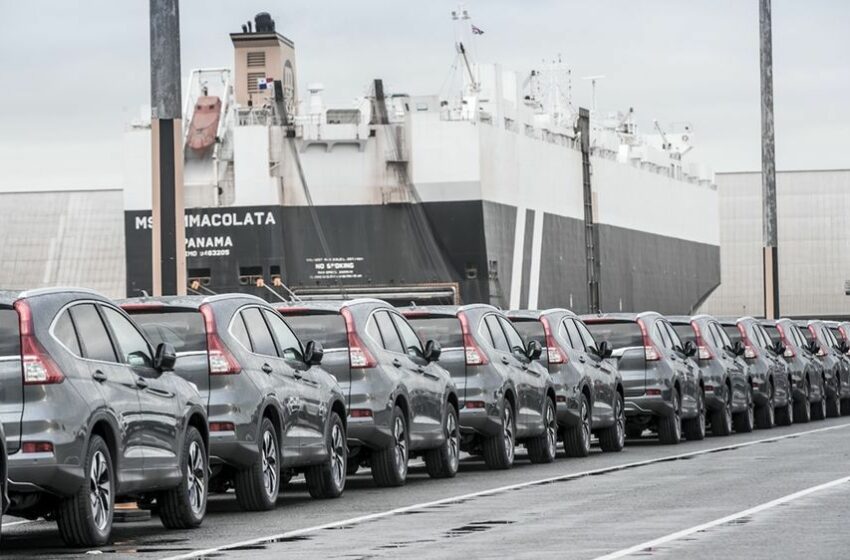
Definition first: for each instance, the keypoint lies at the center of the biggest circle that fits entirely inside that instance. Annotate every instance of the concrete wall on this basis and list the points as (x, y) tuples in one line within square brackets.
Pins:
[(814, 235), (63, 238)]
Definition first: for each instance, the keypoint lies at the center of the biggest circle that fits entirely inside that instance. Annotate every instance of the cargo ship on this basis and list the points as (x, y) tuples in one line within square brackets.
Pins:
[(497, 189)]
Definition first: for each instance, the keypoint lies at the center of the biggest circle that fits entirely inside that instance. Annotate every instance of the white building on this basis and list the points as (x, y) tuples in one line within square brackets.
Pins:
[(813, 212)]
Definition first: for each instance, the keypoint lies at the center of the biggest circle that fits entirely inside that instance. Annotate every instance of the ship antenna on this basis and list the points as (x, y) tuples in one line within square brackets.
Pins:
[(593, 80)]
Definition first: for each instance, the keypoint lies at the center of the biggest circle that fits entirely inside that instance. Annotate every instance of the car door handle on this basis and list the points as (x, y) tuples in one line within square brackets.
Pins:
[(267, 368), (505, 360), (420, 369), (582, 359), (141, 383), (99, 376), (397, 363)]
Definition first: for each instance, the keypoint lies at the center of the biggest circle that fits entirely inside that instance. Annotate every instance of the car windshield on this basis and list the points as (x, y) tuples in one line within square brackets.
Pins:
[(445, 330), (618, 334), (10, 337), (184, 330), (531, 330), (327, 328)]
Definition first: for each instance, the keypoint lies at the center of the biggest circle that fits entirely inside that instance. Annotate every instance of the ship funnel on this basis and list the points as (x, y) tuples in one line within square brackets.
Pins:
[(264, 23)]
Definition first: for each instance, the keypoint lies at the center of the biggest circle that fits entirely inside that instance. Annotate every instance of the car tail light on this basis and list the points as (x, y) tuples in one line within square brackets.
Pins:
[(359, 356), (474, 355), (220, 359), (37, 447), (789, 351), (651, 352), (474, 404), (821, 351), (360, 413), (749, 350), (554, 353), (653, 392), (703, 352), (38, 367)]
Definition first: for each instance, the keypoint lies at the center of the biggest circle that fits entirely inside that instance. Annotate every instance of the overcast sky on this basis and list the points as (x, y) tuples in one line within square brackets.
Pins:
[(74, 72)]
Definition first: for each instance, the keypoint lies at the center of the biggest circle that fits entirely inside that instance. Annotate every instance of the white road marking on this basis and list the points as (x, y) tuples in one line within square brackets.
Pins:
[(489, 492), (722, 521)]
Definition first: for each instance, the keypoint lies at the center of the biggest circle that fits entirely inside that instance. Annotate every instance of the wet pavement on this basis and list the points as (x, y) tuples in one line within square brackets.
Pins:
[(577, 508)]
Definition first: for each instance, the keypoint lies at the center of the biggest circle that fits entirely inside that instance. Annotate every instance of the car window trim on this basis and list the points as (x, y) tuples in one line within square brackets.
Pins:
[(274, 338), (115, 344), (59, 342), (248, 332)]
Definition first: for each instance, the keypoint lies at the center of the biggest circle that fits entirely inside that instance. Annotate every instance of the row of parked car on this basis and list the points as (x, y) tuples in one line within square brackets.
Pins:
[(160, 401)]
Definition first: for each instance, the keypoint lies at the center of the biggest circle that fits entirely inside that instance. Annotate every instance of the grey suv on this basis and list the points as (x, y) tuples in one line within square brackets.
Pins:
[(836, 372), (771, 389), (841, 331), (724, 371), (273, 410), (93, 415), (802, 365), (506, 396), (663, 386), (401, 403), (588, 387)]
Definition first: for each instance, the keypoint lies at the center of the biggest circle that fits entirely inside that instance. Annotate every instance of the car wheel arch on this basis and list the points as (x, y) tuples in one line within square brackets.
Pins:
[(402, 402), (275, 412), (105, 426)]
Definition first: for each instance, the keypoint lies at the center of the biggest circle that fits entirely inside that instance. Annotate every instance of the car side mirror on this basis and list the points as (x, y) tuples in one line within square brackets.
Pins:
[(813, 347), (779, 348), (433, 350), (843, 347), (313, 353), (165, 357), (689, 349), (533, 350), (603, 350), (737, 348)]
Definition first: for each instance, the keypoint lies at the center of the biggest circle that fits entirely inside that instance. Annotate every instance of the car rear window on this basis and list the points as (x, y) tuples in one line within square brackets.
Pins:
[(773, 333), (618, 334), (531, 330), (182, 329), (327, 328), (685, 332), (733, 333), (445, 330), (10, 336)]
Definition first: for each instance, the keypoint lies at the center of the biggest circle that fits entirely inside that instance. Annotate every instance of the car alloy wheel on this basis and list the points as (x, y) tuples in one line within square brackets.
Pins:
[(338, 455), (453, 438), (508, 431), (677, 414), (100, 490), (727, 411), (585, 424), (399, 431), (751, 406), (551, 429), (620, 415), (701, 411), (196, 475), (269, 464)]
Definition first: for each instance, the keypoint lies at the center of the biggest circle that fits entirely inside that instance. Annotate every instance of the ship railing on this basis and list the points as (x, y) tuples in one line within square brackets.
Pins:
[(250, 116)]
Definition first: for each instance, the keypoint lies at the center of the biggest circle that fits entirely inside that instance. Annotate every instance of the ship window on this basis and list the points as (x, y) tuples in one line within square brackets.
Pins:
[(257, 58), (343, 116)]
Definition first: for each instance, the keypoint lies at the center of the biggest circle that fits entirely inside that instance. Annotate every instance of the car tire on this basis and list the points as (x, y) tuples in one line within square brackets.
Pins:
[(389, 466), (845, 407), (543, 448), (785, 414), (577, 438), (802, 408), (694, 428), (745, 420), (670, 426), (185, 506), (721, 420), (443, 461), (499, 450), (258, 486), (613, 438), (833, 407), (765, 414), (85, 518), (328, 479), (819, 408)]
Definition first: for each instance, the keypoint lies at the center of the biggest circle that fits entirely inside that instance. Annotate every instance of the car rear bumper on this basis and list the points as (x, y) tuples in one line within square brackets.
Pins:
[(41, 472), (650, 405), (485, 421)]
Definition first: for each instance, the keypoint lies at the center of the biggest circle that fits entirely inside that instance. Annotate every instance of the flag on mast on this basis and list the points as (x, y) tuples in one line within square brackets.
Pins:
[(477, 31)]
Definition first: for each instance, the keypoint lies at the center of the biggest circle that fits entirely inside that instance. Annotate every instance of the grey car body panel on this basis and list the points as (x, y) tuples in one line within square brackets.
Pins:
[(802, 366), (835, 363), (766, 367), (843, 333), (583, 372), (506, 373), (65, 414), (298, 396), (724, 371), (672, 369), (423, 389)]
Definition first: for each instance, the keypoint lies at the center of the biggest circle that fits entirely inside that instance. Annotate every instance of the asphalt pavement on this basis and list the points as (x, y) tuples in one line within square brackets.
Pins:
[(781, 493)]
